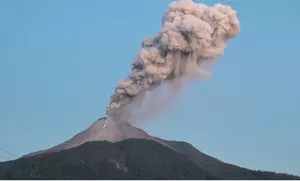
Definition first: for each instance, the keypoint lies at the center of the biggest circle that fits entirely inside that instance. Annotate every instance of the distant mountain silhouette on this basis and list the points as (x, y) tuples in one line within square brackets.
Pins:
[(113, 150)]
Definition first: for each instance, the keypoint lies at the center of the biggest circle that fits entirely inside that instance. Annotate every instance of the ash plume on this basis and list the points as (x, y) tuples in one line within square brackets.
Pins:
[(192, 36)]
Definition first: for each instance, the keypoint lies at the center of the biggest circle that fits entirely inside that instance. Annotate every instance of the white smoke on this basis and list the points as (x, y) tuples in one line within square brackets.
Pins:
[(193, 35)]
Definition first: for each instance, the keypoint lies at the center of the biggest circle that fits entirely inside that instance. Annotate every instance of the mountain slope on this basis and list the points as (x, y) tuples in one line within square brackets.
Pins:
[(128, 159), (221, 169)]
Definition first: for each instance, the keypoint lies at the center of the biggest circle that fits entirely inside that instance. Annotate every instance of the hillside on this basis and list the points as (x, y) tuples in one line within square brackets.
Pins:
[(128, 159), (221, 169)]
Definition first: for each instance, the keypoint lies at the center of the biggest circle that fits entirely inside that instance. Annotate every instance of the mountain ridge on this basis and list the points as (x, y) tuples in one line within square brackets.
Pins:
[(220, 168)]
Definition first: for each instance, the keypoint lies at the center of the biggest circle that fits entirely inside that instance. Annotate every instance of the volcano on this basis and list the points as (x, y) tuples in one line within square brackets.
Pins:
[(118, 150)]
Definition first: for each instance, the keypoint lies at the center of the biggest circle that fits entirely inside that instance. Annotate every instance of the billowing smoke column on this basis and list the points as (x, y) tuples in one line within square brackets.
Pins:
[(192, 34)]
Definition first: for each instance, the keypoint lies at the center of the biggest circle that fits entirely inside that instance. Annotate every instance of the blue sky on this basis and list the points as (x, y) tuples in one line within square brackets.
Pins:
[(61, 59)]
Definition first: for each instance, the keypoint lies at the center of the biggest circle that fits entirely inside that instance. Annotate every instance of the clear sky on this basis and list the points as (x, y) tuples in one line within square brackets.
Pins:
[(61, 59)]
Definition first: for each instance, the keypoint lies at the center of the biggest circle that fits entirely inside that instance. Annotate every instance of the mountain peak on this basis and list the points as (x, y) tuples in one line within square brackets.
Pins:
[(103, 129)]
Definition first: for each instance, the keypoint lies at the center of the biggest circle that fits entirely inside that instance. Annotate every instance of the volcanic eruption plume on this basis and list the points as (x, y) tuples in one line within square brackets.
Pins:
[(191, 36)]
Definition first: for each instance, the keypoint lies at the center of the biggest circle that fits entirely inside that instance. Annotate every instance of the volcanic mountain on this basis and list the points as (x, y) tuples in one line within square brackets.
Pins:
[(118, 150)]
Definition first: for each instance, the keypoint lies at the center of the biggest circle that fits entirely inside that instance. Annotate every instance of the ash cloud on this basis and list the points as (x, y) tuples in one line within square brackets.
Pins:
[(192, 36)]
